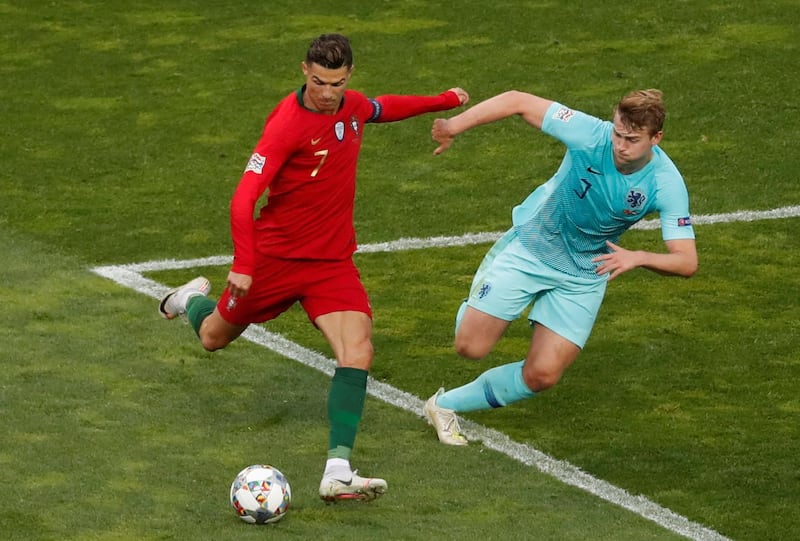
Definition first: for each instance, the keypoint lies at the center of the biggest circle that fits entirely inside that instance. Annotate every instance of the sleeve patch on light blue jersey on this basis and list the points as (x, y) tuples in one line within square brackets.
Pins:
[(684, 222), (564, 114)]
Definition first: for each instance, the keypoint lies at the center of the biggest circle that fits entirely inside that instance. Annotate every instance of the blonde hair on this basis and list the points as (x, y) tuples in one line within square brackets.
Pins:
[(642, 109)]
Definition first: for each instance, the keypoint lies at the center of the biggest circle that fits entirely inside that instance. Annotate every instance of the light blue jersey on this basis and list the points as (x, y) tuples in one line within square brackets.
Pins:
[(546, 257), (566, 221), (545, 260)]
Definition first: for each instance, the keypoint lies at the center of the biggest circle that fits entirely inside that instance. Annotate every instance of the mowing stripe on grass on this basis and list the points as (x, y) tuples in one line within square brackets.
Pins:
[(130, 276)]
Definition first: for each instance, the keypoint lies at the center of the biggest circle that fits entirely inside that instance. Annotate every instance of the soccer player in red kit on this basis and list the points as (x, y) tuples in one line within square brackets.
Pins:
[(300, 246)]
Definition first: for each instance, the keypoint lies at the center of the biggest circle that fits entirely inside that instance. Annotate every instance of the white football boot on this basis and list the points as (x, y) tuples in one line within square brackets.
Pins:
[(173, 304), (444, 421), (332, 489)]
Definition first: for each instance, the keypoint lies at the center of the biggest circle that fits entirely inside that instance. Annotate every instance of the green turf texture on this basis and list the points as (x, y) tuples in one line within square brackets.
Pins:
[(124, 128)]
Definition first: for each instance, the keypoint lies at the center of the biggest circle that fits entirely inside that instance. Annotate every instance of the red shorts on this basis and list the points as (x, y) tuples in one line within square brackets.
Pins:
[(321, 287)]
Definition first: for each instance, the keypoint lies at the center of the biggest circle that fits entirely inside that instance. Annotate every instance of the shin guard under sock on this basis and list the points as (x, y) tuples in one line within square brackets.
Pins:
[(345, 406), (495, 388)]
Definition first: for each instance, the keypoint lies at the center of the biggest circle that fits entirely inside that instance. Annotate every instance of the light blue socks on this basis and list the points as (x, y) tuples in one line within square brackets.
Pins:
[(495, 388)]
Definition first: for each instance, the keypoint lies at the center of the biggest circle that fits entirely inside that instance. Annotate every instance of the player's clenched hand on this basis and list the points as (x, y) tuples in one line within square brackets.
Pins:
[(463, 97), (239, 284), (441, 134), (616, 262)]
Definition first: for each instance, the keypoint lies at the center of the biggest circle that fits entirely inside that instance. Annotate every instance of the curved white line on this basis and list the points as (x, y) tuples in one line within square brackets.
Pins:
[(130, 276)]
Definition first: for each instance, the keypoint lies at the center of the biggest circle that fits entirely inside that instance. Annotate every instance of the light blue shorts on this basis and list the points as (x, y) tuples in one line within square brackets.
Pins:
[(510, 278)]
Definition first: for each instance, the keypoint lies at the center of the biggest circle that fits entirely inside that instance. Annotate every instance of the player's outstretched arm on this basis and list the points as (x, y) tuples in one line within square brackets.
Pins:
[(395, 107), (513, 102)]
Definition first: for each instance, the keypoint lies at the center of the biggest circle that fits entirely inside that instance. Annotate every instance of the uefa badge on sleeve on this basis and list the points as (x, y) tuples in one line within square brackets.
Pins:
[(256, 163)]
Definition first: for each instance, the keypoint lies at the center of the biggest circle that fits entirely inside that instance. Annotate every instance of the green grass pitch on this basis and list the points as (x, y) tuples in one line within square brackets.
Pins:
[(125, 127)]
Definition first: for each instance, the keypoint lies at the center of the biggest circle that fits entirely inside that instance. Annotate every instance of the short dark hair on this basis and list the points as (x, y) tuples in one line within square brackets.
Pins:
[(330, 51)]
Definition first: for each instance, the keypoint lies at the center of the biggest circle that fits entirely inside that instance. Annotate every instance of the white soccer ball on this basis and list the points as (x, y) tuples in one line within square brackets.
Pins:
[(260, 494)]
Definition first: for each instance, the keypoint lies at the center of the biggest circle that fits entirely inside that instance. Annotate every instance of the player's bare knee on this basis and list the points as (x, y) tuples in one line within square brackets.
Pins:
[(540, 380), (209, 345), (359, 356), (212, 343), (470, 350)]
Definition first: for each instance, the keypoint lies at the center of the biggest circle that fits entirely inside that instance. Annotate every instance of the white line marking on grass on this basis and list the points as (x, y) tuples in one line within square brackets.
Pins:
[(130, 276), (439, 242), (561, 470)]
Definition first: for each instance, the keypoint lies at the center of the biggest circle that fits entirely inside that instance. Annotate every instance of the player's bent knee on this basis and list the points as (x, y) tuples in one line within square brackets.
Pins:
[(216, 334), (362, 360), (470, 350), (213, 343), (540, 380), (210, 345), (356, 355)]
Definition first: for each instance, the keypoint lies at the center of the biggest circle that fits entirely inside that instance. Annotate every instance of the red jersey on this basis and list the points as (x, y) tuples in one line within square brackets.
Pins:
[(307, 160)]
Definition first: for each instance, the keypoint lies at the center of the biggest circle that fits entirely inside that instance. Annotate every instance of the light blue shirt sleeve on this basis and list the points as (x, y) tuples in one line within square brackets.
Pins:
[(673, 199), (573, 128)]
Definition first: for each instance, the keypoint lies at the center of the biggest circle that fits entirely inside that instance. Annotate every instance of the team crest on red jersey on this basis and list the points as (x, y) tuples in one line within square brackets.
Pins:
[(354, 123)]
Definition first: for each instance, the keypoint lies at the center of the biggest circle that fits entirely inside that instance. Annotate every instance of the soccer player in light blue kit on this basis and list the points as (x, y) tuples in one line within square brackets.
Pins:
[(562, 249)]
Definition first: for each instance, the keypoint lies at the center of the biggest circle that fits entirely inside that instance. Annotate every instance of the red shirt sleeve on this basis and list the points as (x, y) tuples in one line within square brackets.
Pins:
[(394, 107), (268, 157)]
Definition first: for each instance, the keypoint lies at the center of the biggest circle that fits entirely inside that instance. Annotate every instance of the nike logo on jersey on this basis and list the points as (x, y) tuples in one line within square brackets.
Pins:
[(594, 171), (315, 141)]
